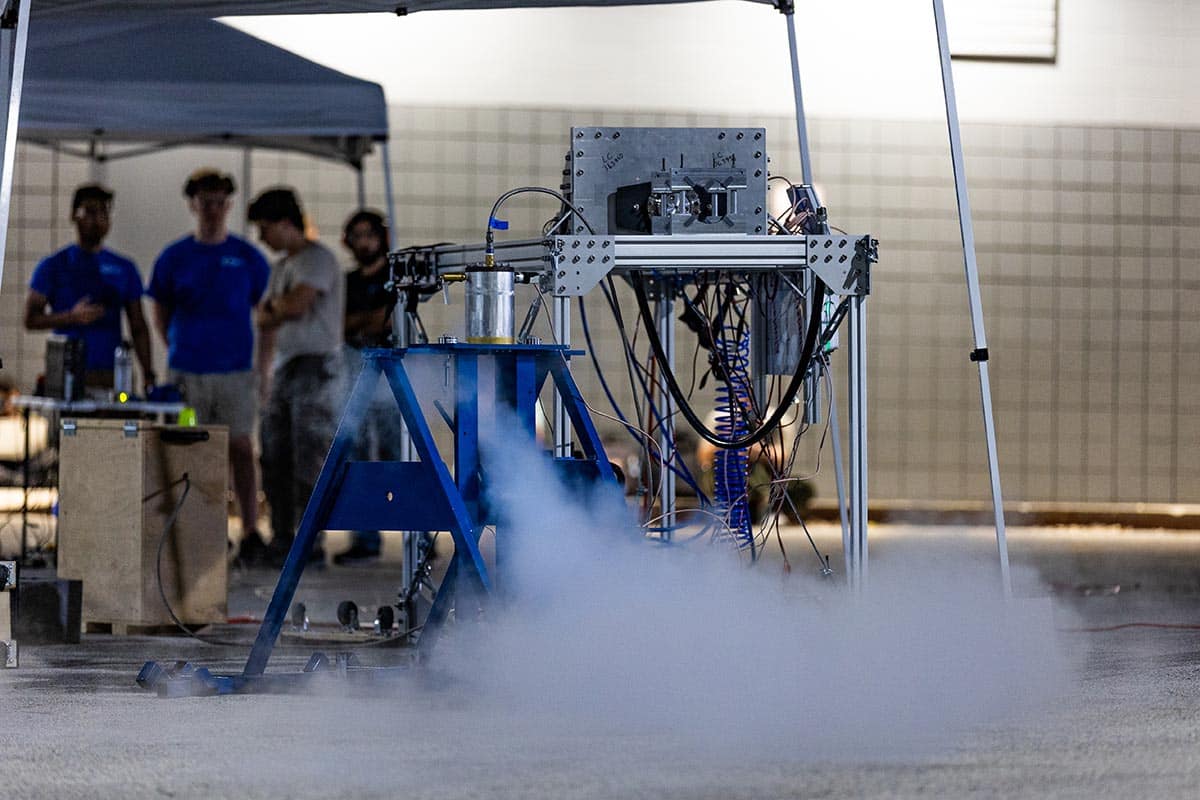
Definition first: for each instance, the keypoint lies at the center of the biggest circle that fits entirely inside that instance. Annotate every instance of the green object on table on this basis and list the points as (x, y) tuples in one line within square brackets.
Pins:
[(187, 416)]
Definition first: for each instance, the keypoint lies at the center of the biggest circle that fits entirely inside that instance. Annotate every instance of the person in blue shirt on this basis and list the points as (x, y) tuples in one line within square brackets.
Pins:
[(205, 287), (81, 291)]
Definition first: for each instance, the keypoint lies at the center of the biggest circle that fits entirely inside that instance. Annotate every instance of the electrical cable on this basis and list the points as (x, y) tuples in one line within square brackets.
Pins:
[(806, 357), (681, 470)]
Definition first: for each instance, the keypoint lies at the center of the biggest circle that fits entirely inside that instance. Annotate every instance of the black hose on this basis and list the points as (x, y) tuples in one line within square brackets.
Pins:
[(789, 395)]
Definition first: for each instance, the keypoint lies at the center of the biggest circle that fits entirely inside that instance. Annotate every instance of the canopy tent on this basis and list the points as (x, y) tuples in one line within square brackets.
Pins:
[(229, 8), (190, 80), (854, 527)]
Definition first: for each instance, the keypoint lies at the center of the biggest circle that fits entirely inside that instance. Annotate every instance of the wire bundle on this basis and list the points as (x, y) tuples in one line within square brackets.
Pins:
[(731, 466)]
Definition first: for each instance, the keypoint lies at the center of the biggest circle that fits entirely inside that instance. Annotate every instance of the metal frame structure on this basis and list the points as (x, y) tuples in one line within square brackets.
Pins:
[(13, 36), (364, 495)]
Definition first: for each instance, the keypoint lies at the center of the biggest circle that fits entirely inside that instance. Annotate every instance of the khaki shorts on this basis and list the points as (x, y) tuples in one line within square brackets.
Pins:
[(222, 398)]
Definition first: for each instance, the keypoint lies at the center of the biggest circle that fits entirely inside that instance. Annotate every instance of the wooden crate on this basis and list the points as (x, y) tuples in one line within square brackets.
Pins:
[(118, 484)]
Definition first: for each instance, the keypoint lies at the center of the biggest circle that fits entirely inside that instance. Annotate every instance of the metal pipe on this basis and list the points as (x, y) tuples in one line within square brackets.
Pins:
[(245, 191), (664, 318), (839, 471), (561, 325), (975, 302), (14, 76), (801, 129), (857, 342)]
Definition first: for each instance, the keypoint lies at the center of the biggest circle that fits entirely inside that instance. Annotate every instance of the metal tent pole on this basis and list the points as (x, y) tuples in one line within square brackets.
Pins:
[(246, 172), (980, 354), (801, 130), (12, 54)]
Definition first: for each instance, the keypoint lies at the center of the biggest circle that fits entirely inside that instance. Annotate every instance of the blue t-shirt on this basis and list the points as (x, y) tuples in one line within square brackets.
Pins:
[(209, 291), (109, 279)]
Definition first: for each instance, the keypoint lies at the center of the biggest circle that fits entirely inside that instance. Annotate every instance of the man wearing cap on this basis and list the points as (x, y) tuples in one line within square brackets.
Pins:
[(85, 287), (205, 287), (300, 340)]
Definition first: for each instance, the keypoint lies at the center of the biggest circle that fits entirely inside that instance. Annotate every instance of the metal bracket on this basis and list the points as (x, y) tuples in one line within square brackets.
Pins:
[(8, 575), (69, 427), (579, 263), (843, 261), (130, 429)]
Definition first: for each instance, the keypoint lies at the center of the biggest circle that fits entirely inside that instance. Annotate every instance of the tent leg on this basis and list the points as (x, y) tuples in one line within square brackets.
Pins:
[(12, 53), (980, 354), (246, 167), (361, 188), (801, 129), (389, 195)]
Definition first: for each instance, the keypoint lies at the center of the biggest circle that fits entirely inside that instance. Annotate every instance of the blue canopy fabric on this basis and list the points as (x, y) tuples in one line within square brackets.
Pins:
[(229, 8), (188, 79)]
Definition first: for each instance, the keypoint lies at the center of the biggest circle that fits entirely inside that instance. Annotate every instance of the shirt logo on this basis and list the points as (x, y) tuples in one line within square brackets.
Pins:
[(231, 261)]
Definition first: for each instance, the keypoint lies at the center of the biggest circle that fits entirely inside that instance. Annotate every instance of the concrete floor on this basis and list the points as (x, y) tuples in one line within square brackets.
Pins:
[(928, 692)]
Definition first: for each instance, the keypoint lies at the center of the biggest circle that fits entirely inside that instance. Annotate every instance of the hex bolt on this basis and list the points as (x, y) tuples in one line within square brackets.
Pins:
[(616, 134), (575, 260), (757, 136), (740, 136)]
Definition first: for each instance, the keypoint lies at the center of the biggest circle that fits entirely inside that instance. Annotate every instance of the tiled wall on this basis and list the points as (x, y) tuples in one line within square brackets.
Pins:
[(1088, 242)]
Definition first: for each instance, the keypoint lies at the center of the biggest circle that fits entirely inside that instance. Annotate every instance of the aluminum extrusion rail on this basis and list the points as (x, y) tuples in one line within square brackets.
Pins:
[(575, 264)]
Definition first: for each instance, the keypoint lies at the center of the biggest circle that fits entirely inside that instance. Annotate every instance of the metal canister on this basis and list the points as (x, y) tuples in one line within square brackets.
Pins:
[(490, 318)]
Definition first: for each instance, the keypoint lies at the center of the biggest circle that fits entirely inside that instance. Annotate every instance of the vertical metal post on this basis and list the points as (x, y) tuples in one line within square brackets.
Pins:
[(361, 187), (980, 354), (801, 130), (857, 403), (402, 336), (664, 319), (839, 469), (25, 491), (561, 323), (12, 74), (389, 194), (246, 173)]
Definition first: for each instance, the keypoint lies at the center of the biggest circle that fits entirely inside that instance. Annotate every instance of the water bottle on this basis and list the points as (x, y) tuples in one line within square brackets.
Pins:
[(122, 373)]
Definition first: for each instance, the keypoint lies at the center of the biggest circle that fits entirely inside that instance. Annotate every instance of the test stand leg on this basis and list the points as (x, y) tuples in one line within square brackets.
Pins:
[(857, 340)]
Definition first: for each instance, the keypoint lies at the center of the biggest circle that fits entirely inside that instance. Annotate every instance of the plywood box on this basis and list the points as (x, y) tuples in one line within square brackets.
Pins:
[(119, 482)]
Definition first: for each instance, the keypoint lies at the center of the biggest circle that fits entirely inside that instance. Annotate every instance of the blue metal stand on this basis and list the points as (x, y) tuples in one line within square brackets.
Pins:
[(417, 495)]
